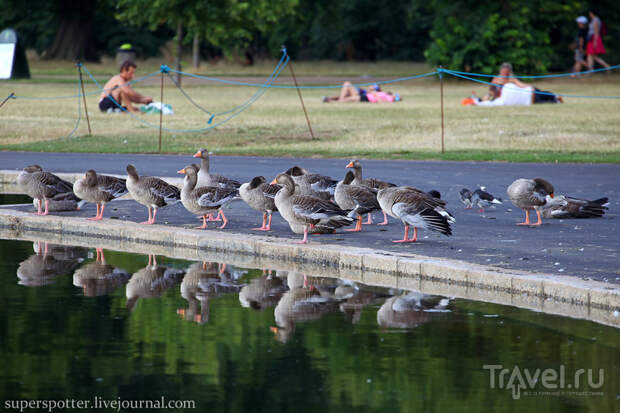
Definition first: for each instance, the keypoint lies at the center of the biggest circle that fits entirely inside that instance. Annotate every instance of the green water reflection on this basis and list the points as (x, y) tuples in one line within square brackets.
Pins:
[(72, 326)]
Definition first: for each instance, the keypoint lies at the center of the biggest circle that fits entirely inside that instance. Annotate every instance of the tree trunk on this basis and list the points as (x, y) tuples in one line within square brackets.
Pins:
[(74, 38), (179, 49), (196, 51)]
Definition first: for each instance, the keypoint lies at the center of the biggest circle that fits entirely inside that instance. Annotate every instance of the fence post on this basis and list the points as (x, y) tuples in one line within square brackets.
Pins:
[(161, 109), (440, 70), (11, 95), (290, 66), (79, 65)]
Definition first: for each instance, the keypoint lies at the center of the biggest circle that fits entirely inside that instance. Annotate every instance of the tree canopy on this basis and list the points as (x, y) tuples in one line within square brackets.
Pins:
[(532, 34)]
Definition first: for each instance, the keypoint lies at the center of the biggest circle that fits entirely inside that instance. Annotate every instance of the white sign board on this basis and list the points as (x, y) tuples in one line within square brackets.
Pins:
[(7, 52)]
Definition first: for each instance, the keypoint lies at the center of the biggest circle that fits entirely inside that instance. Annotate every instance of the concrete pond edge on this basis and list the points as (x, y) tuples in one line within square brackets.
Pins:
[(561, 295)]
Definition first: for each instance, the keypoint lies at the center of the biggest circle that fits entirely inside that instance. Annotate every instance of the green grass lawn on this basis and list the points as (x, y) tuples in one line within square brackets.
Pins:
[(581, 130)]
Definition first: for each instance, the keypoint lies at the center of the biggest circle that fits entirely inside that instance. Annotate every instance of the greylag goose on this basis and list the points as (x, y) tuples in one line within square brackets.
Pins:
[(312, 184), (258, 194), (98, 277), (151, 192), (43, 186), (150, 282), (99, 189), (303, 211), (373, 183), (563, 207), (530, 194), (208, 179), (416, 208), (484, 199), (205, 199), (410, 310), (356, 199)]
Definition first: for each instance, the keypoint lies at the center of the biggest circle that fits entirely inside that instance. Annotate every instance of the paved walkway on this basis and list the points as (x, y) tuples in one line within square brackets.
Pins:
[(582, 248)]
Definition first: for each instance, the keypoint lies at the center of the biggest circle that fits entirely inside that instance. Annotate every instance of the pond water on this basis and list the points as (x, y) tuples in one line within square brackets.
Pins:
[(86, 324)]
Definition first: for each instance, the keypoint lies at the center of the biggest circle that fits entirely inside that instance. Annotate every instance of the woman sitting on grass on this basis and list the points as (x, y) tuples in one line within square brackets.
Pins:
[(350, 93), (519, 93)]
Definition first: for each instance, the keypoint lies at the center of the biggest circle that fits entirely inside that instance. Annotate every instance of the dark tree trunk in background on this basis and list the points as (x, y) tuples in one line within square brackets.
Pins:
[(179, 50), (74, 38), (196, 51)]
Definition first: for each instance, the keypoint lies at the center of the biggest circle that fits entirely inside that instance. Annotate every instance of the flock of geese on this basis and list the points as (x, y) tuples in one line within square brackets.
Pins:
[(294, 297), (309, 202)]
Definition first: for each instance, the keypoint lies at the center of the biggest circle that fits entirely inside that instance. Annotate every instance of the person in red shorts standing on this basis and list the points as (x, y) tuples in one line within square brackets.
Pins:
[(595, 45)]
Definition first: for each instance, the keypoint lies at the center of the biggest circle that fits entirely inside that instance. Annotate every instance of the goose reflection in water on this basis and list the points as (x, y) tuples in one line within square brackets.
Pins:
[(151, 281), (48, 262), (410, 310), (302, 303), (205, 280), (262, 292), (98, 277)]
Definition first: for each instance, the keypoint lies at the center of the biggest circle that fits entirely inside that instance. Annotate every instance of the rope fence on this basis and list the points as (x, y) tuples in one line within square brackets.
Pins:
[(227, 115)]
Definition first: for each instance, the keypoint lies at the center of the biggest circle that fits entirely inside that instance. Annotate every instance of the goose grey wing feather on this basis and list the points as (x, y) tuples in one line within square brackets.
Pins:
[(161, 189), (270, 190), (115, 187), (215, 196)]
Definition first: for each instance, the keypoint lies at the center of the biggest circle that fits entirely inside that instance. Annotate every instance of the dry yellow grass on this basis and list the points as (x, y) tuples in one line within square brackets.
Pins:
[(276, 124)]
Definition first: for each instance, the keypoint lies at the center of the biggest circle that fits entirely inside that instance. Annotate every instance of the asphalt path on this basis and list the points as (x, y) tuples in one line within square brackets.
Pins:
[(586, 248)]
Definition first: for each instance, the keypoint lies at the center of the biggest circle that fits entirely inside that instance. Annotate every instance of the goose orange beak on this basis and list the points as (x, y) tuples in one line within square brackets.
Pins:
[(274, 181), (198, 154), (274, 330), (349, 165), (551, 194), (182, 171)]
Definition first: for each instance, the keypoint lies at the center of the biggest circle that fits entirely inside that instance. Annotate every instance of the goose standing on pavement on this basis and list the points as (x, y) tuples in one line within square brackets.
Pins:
[(205, 178), (357, 199), (313, 184), (530, 194), (151, 192), (563, 207), (204, 200), (43, 186), (372, 183), (99, 189), (415, 208), (260, 195), (304, 211)]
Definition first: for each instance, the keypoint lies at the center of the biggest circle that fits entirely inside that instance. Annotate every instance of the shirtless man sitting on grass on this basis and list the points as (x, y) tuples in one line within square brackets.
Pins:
[(120, 90)]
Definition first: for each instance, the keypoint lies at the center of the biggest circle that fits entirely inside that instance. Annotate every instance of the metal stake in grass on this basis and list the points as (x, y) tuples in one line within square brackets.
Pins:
[(290, 66), (441, 93), (161, 110), (79, 65), (11, 95)]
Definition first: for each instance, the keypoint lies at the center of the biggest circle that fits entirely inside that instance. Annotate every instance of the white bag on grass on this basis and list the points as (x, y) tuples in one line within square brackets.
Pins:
[(156, 107)]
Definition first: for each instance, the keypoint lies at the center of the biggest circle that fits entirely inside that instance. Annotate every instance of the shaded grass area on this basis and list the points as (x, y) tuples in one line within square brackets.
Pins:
[(581, 130)]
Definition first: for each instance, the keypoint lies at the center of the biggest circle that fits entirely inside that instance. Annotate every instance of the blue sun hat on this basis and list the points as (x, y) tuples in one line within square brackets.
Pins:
[(376, 87), (397, 97)]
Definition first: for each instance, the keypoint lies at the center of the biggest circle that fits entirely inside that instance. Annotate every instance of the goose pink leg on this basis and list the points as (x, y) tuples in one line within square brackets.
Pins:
[(406, 237), (385, 221)]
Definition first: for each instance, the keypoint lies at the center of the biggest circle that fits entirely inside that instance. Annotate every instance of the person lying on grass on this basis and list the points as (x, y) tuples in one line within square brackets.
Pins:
[(118, 89), (350, 93)]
